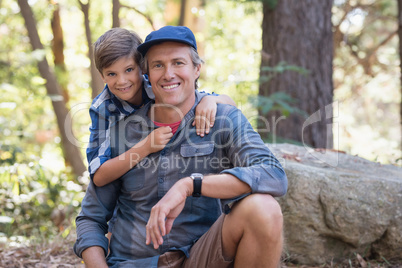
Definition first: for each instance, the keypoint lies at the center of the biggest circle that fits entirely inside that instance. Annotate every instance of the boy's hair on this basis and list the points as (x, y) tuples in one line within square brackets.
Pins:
[(195, 58), (114, 44)]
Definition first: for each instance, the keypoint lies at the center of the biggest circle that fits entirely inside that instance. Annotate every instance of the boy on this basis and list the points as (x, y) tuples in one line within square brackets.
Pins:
[(126, 91)]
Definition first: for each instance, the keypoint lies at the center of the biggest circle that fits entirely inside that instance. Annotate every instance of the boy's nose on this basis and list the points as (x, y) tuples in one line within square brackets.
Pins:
[(122, 79)]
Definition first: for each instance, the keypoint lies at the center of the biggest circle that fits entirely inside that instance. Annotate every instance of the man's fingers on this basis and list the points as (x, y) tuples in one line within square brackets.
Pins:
[(169, 225), (153, 231), (161, 223)]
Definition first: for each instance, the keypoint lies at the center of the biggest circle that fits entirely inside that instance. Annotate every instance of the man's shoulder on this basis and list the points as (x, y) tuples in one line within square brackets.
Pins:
[(225, 109)]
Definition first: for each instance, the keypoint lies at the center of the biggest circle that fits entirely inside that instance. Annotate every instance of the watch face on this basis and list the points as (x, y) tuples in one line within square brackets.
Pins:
[(197, 175)]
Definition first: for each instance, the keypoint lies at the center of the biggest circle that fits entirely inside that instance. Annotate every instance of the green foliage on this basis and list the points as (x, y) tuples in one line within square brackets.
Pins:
[(270, 3), (271, 71), (30, 193), (278, 101)]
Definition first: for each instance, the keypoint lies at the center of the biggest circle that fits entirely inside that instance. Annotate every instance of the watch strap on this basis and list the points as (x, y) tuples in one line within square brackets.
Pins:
[(197, 182)]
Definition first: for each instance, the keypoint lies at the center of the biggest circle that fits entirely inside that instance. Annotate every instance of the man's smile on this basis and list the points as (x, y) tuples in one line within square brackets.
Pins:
[(171, 86)]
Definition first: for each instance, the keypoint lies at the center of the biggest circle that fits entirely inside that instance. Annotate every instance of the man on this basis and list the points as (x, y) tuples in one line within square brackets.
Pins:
[(170, 204)]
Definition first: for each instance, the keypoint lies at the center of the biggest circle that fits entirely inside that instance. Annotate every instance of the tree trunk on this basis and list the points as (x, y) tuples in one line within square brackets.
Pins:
[(70, 149), (400, 59), (115, 14), (96, 81), (58, 52), (300, 33), (182, 12)]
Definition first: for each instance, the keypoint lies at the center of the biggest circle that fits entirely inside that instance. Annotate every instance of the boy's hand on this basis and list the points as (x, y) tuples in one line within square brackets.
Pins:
[(158, 138), (205, 115)]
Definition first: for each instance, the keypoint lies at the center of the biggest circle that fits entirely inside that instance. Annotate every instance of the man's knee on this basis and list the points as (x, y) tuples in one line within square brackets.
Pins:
[(261, 209)]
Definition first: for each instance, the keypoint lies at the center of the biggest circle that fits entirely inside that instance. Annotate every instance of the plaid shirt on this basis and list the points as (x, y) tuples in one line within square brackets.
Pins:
[(105, 111)]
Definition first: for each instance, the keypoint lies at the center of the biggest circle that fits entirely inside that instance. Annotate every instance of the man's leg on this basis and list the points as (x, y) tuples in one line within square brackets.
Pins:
[(252, 232)]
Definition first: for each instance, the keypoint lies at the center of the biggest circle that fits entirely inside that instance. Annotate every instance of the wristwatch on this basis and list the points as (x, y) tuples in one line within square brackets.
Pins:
[(197, 182)]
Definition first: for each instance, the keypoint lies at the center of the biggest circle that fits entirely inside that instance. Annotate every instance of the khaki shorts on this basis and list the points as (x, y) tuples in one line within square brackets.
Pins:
[(207, 252)]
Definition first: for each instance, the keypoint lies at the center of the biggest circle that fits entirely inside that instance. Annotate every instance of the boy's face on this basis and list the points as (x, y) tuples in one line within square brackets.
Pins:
[(124, 80), (172, 74)]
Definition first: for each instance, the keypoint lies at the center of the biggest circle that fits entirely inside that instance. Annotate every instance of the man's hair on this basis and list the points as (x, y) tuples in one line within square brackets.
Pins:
[(195, 58), (114, 44)]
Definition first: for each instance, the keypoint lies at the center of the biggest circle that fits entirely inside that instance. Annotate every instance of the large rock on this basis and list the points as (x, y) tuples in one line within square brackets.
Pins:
[(338, 205)]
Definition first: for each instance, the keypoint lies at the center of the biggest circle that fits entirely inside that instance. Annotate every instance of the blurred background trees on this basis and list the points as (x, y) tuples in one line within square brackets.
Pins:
[(284, 58)]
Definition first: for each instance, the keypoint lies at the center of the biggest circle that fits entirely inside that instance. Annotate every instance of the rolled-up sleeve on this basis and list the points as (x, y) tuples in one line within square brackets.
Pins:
[(253, 162), (96, 210)]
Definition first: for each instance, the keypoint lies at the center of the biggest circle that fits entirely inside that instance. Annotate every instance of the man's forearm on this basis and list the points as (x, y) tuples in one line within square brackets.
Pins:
[(222, 186), (94, 257)]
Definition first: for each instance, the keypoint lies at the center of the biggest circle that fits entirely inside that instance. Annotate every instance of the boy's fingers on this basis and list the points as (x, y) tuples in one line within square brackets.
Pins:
[(208, 120), (202, 126), (197, 124), (212, 120)]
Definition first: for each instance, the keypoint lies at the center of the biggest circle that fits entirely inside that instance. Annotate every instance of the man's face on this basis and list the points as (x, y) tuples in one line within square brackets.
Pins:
[(124, 80), (172, 74)]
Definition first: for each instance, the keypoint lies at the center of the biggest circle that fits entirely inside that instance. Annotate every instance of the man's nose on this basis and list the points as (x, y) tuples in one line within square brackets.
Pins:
[(169, 73)]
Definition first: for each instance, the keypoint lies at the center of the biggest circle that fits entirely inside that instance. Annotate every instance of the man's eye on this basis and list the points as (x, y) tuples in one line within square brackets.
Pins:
[(179, 63), (158, 66)]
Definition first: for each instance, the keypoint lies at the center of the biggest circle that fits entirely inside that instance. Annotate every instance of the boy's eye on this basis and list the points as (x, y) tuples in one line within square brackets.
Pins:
[(129, 70), (111, 74)]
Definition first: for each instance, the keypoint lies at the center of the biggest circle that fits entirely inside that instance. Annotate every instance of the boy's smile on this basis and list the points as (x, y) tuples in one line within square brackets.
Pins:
[(124, 80)]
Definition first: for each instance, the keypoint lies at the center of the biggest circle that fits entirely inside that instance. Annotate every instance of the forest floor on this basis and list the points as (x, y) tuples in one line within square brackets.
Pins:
[(59, 254)]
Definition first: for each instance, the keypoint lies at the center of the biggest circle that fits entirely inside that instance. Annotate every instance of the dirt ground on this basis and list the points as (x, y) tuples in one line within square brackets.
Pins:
[(59, 254)]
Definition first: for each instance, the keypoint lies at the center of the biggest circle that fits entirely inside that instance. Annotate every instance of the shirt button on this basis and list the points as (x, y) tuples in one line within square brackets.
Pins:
[(161, 180), (112, 107)]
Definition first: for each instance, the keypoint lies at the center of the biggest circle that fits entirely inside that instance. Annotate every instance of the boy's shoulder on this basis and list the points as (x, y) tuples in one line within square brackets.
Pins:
[(103, 98)]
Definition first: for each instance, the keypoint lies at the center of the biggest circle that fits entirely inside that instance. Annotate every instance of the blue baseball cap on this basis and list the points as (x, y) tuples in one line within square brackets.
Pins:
[(179, 34)]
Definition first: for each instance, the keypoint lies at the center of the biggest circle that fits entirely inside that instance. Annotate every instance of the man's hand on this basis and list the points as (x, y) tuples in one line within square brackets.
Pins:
[(205, 113), (166, 211)]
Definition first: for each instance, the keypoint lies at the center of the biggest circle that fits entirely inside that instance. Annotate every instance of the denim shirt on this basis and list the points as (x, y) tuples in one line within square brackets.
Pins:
[(232, 147)]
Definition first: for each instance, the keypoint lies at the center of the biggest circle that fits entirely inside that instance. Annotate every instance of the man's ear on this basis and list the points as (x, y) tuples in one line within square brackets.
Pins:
[(198, 70)]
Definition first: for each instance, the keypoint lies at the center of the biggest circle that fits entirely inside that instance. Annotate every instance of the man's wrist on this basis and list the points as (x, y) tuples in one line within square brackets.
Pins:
[(197, 183), (188, 184)]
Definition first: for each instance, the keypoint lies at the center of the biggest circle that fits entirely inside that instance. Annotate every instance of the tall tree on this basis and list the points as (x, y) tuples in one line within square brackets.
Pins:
[(96, 81), (71, 152), (299, 33)]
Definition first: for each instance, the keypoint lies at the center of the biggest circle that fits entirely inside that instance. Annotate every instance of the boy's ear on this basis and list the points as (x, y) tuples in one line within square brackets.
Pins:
[(102, 77)]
